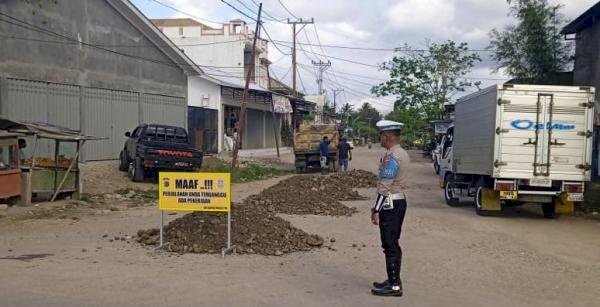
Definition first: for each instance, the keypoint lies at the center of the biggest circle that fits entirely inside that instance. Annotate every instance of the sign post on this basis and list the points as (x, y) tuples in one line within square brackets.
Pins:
[(208, 192)]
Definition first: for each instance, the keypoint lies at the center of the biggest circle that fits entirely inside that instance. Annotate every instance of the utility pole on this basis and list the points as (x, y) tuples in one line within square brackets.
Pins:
[(322, 67), (335, 91), (294, 90), (238, 141), (273, 112)]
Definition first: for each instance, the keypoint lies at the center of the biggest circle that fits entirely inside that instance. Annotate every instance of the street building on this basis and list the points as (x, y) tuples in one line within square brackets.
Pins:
[(214, 99), (585, 31), (96, 66)]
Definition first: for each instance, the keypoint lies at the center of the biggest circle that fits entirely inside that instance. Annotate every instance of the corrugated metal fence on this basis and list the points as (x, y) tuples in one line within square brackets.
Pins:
[(94, 111)]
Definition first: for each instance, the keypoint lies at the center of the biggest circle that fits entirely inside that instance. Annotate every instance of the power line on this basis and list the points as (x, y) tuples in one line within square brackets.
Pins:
[(238, 10), (271, 40), (182, 12), (287, 10), (269, 15), (281, 58), (324, 52), (31, 27), (302, 83), (253, 12), (357, 93), (211, 66)]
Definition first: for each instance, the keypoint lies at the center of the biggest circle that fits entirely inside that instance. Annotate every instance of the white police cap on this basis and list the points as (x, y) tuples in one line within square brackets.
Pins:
[(388, 125)]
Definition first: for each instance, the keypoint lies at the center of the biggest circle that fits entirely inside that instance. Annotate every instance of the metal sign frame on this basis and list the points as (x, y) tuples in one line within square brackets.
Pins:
[(227, 250)]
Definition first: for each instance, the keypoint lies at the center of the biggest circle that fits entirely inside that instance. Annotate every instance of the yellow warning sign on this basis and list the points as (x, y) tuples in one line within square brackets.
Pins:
[(194, 191)]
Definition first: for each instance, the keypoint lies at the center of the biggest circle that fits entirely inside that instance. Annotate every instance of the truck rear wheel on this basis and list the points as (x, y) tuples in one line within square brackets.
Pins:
[(482, 197), (549, 210), (123, 163), (137, 171), (449, 194)]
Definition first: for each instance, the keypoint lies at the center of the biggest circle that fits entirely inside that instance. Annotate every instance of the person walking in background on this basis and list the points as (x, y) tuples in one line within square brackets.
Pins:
[(324, 153), (344, 153)]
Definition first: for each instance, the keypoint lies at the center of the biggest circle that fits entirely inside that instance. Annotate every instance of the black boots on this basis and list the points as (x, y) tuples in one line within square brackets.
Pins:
[(387, 290), (380, 284), (392, 286)]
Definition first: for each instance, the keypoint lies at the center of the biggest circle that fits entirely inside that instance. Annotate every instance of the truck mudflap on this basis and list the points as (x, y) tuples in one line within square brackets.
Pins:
[(490, 200), (562, 204)]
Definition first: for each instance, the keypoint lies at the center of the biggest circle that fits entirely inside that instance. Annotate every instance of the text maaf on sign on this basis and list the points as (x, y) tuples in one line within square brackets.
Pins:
[(194, 191)]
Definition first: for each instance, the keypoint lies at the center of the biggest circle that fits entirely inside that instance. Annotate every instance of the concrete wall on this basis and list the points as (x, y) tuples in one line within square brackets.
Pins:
[(68, 62), (221, 48), (205, 94), (228, 55)]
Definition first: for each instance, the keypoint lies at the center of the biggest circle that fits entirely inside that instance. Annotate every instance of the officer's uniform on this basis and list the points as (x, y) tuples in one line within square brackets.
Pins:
[(390, 204)]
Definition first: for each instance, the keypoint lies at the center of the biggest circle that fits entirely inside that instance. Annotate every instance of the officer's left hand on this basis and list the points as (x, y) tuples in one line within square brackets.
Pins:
[(375, 218)]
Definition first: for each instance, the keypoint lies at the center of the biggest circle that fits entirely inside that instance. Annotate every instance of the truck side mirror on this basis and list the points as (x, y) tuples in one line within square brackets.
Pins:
[(128, 134)]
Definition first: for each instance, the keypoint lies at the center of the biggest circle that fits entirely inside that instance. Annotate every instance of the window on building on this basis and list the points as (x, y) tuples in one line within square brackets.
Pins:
[(237, 29), (8, 157), (181, 31)]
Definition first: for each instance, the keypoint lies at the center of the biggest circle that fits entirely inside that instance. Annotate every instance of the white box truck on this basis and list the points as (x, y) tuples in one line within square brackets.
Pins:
[(513, 144)]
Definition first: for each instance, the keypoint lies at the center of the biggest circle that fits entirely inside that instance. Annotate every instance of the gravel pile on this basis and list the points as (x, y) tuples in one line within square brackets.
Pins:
[(356, 179), (256, 228), (254, 231), (319, 195)]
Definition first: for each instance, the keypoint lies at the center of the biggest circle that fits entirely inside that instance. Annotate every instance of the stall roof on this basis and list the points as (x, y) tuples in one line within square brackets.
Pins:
[(5, 134), (43, 130)]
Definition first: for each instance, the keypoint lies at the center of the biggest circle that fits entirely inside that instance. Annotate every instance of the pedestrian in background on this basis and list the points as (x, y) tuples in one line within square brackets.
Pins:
[(390, 206), (324, 153), (344, 153)]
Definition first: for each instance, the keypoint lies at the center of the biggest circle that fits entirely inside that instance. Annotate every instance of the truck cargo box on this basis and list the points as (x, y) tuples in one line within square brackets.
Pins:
[(525, 132), (308, 137)]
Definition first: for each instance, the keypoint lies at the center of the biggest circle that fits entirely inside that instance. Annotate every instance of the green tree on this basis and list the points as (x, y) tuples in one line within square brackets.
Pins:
[(345, 112), (416, 130), (368, 114), (363, 121), (533, 48), (426, 80)]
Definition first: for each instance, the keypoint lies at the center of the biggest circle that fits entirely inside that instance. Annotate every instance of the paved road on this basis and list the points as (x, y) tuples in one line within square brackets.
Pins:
[(451, 258)]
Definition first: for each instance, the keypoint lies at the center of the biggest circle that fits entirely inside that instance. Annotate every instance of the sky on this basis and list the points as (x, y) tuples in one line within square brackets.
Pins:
[(383, 24)]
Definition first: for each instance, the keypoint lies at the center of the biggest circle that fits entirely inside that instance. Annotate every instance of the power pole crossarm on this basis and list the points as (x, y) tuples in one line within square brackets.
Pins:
[(294, 71), (335, 91), (322, 67)]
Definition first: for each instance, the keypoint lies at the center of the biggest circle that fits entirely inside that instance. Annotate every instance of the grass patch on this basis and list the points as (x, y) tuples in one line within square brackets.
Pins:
[(246, 172), (123, 191), (147, 194)]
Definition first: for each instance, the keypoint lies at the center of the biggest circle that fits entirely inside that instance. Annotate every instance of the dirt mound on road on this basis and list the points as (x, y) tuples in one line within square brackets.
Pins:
[(254, 231), (255, 227), (320, 195), (356, 179)]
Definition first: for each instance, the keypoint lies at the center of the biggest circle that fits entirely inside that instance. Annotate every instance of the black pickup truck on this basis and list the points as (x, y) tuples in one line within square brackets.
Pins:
[(151, 148)]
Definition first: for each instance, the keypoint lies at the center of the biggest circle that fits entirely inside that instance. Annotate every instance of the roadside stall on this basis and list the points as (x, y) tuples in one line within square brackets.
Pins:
[(43, 174), (10, 173)]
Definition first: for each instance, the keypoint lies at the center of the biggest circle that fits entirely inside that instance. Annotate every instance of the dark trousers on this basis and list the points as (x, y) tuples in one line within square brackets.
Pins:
[(390, 227)]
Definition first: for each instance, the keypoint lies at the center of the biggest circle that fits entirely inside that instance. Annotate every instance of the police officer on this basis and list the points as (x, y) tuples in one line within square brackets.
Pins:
[(390, 205)]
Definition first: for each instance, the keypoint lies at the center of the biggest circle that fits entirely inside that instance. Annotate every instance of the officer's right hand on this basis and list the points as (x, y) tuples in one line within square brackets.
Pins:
[(375, 218)]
